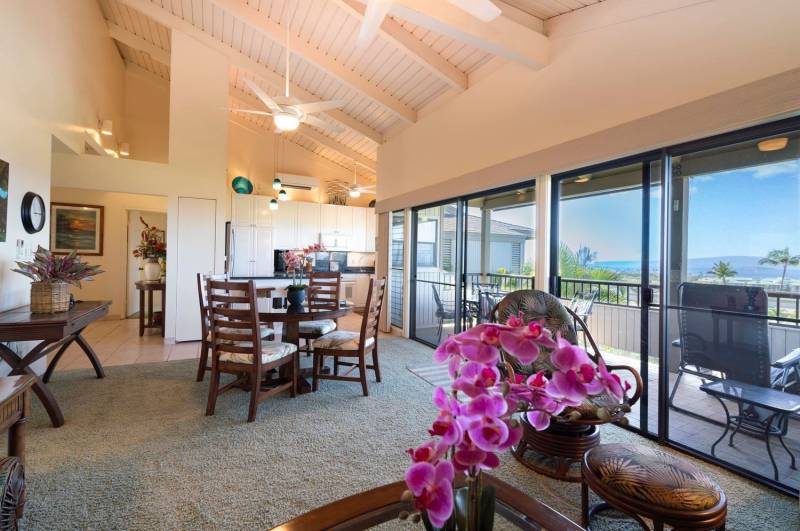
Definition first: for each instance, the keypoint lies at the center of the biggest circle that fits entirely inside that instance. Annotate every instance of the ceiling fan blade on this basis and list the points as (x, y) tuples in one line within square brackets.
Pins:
[(321, 124), (483, 10), (319, 106), (249, 111), (263, 96), (373, 18)]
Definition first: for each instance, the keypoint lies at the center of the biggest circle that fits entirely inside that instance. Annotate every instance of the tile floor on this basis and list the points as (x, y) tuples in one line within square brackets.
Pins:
[(118, 343)]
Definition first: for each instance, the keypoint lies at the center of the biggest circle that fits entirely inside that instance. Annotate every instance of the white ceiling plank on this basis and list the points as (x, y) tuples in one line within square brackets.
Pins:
[(502, 36), (413, 47), (236, 58), (138, 43), (319, 59), (250, 101)]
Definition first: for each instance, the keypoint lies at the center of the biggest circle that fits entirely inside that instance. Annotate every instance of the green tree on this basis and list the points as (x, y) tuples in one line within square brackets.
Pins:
[(585, 256), (577, 264), (723, 271), (781, 257)]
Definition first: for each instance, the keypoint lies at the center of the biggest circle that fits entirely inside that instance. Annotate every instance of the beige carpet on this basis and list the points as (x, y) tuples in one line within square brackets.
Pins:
[(136, 452)]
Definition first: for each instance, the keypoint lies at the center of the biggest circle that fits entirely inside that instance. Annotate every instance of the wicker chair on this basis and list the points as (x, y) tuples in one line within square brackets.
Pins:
[(557, 452)]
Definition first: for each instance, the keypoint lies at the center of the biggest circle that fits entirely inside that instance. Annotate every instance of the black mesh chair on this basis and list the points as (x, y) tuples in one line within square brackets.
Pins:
[(442, 314), (724, 335)]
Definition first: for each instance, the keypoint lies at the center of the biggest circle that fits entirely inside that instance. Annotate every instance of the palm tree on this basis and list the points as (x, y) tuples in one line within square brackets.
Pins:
[(585, 256), (723, 271), (781, 257)]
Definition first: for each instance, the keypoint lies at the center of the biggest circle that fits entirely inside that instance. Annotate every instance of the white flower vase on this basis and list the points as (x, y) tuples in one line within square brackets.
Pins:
[(152, 270)]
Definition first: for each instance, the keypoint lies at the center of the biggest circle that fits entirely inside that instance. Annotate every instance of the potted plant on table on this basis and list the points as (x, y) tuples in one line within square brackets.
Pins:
[(52, 275), (297, 264), (479, 418), (151, 248)]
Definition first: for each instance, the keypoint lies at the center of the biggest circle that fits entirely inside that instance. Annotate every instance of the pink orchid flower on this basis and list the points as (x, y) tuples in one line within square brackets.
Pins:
[(476, 378), (526, 342), (611, 382), (428, 452), (433, 490), (567, 356), (446, 425), (574, 385), (468, 457)]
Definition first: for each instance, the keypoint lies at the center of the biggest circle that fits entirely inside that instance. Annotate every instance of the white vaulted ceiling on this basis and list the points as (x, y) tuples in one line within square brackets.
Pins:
[(384, 85)]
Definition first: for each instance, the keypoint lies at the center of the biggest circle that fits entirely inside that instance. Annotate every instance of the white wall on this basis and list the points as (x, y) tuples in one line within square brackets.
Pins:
[(146, 115), (607, 68), (198, 150), (56, 81)]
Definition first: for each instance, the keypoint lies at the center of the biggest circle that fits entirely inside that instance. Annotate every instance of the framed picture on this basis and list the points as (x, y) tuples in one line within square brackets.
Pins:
[(78, 227), (3, 199)]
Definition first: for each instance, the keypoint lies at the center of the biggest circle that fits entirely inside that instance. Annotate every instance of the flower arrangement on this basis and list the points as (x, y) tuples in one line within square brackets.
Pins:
[(51, 269), (479, 419), (152, 244), (298, 262)]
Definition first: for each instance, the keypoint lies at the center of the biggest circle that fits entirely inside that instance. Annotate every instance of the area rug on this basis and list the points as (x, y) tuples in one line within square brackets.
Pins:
[(137, 452), (435, 375)]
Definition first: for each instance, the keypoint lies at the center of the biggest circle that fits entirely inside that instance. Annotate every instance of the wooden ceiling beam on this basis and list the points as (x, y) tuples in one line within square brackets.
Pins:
[(277, 33), (503, 36), (256, 69), (414, 48), (120, 34)]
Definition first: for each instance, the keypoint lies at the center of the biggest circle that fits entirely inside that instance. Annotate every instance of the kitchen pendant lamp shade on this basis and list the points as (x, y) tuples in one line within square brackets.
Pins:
[(242, 185), (276, 184), (283, 196), (273, 204)]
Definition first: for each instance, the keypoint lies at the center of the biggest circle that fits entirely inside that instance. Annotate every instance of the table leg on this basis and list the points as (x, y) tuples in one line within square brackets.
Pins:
[(141, 312), (98, 369), (20, 366), (769, 448), (52, 366), (291, 334), (727, 424), (149, 308), (16, 433), (163, 311)]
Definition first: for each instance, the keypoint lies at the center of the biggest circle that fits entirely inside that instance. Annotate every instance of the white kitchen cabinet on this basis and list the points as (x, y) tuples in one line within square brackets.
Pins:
[(262, 215), (370, 230), (359, 236), (329, 218), (344, 220), (308, 223), (284, 224), (253, 252), (242, 210), (264, 262)]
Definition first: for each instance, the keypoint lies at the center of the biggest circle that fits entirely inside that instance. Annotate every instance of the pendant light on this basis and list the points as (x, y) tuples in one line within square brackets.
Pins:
[(276, 184), (273, 204), (283, 196)]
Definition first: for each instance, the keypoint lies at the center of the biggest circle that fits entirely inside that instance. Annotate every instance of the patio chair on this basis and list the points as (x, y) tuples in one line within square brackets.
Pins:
[(724, 335), (581, 305), (442, 313)]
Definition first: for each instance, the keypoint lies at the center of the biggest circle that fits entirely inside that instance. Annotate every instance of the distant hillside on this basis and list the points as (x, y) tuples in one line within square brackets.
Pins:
[(745, 267)]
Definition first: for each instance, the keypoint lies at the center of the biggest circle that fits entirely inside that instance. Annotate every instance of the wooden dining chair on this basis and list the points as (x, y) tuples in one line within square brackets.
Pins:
[(267, 332), (323, 294), (237, 347), (344, 344)]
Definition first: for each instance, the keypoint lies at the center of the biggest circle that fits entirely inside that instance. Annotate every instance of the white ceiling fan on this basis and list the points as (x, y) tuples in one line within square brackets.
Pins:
[(354, 189), (483, 10), (286, 115)]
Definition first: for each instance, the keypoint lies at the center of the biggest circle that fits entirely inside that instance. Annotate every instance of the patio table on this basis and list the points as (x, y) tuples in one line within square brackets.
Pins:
[(780, 405)]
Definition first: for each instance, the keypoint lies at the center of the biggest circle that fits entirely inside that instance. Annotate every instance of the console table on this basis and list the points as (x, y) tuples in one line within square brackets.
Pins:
[(52, 331), (147, 287)]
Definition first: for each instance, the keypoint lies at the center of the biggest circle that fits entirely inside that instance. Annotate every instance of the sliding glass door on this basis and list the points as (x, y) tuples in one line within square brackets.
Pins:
[(467, 254), (602, 260), (733, 293)]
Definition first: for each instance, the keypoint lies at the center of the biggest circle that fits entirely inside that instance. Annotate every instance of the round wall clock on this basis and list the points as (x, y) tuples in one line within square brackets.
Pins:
[(33, 212)]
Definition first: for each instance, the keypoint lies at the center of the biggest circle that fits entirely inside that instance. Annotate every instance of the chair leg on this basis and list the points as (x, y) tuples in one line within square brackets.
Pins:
[(255, 385), (362, 368), (675, 386), (295, 369), (201, 368), (315, 372), (375, 365), (213, 389), (336, 366)]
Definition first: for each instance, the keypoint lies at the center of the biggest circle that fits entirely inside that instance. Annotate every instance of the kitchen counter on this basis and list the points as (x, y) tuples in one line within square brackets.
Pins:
[(285, 276)]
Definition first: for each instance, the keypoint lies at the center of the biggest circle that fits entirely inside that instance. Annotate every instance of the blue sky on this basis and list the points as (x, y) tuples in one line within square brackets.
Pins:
[(743, 212)]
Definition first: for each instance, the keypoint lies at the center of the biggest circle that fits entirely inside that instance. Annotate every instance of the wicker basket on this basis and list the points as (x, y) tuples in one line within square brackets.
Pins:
[(49, 297)]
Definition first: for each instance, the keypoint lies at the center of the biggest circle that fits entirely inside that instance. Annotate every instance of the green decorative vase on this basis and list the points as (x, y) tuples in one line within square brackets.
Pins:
[(242, 185)]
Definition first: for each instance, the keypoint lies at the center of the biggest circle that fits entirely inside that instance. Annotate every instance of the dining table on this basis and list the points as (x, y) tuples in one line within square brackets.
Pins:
[(290, 318)]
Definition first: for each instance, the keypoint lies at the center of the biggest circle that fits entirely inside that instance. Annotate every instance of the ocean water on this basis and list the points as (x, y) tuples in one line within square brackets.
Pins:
[(745, 267)]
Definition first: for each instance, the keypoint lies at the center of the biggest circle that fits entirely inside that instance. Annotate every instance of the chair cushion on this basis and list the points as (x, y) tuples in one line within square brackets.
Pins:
[(320, 327), (650, 477), (265, 332), (270, 351), (341, 340)]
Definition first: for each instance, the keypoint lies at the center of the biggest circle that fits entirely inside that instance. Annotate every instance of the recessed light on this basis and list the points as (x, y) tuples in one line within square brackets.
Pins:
[(773, 144)]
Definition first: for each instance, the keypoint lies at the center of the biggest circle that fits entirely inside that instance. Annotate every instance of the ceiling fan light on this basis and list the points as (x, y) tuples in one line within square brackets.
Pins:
[(273, 204), (355, 193), (283, 196), (276, 184), (285, 121)]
